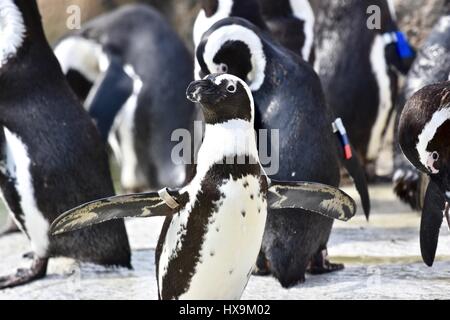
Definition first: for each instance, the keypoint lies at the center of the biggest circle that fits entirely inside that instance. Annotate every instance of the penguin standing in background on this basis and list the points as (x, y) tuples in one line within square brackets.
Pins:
[(133, 69), (52, 158), (432, 65), (291, 22), (358, 67), (215, 225), (288, 97), (424, 129)]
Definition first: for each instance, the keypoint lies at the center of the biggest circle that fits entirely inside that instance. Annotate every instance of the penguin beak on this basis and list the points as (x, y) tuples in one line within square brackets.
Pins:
[(198, 91), (434, 209)]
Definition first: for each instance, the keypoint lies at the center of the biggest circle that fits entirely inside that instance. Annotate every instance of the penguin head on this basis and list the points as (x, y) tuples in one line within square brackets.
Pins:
[(234, 46), (223, 97), (424, 130)]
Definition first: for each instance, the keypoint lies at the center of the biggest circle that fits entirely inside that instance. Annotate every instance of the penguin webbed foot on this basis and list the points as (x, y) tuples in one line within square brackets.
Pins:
[(37, 271), (320, 264)]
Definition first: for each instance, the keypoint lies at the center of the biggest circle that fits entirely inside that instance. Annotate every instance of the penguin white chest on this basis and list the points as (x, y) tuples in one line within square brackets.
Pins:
[(18, 168), (231, 242)]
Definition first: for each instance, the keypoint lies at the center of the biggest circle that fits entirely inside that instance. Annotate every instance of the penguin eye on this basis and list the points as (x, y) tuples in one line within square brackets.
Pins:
[(435, 156), (231, 88), (223, 68)]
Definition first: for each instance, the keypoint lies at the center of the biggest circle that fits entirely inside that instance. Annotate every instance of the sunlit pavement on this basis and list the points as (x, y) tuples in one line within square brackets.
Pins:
[(382, 259)]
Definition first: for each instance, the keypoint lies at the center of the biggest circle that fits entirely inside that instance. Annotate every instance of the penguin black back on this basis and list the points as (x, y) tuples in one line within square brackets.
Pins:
[(291, 22)]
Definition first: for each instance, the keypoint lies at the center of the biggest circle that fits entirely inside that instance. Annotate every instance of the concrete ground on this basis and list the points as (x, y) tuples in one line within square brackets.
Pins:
[(382, 261)]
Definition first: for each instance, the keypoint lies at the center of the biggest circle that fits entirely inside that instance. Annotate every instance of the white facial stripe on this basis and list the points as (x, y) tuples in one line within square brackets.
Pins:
[(233, 79), (238, 33), (303, 11), (429, 132), (12, 30), (203, 23), (79, 54)]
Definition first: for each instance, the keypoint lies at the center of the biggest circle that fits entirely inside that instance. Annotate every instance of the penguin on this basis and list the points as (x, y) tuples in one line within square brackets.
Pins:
[(215, 225), (291, 22), (131, 69), (423, 135), (359, 68), (52, 158), (432, 65), (289, 99)]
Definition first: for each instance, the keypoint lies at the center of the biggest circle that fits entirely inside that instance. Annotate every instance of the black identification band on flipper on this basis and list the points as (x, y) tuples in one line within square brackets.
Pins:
[(352, 165), (314, 197), (430, 225), (142, 205), (109, 94)]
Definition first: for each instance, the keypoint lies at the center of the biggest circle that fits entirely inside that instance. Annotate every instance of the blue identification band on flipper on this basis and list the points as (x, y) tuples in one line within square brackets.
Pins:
[(404, 48), (339, 129)]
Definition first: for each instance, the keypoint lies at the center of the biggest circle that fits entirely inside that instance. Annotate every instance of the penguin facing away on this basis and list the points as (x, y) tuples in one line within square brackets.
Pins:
[(308, 149), (432, 65), (291, 22), (424, 129), (214, 226), (359, 67), (52, 158), (122, 64)]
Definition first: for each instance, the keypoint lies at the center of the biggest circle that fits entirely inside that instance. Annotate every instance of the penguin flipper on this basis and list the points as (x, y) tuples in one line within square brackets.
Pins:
[(314, 197), (352, 165), (358, 175), (430, 224), (142, 205), (108, 95)]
